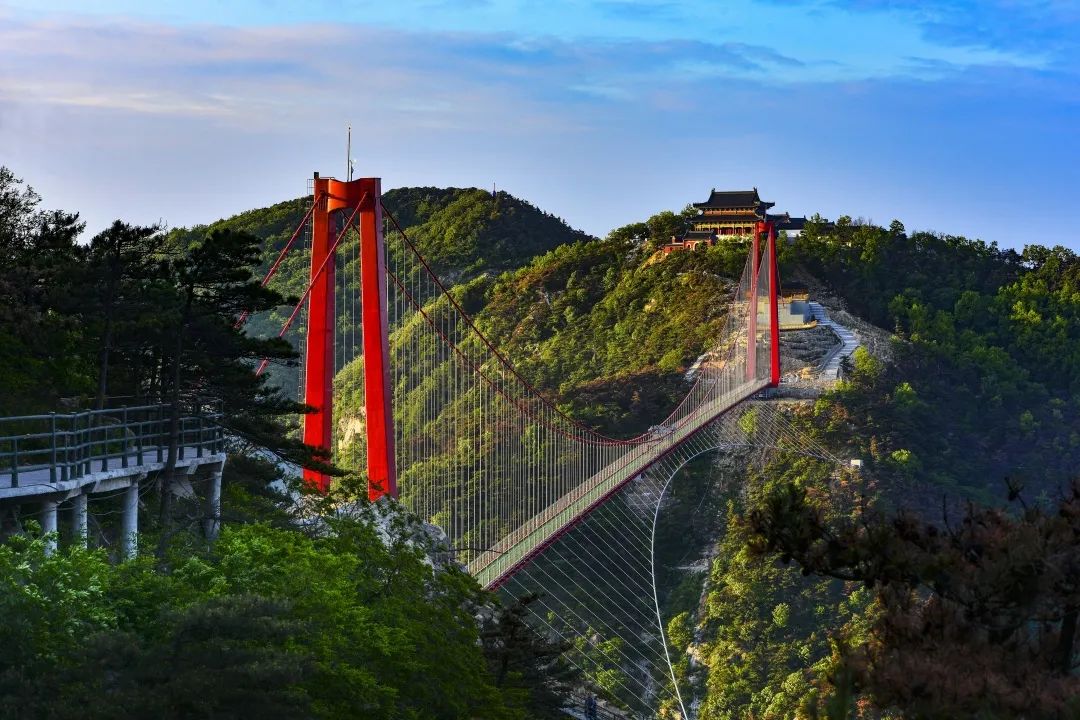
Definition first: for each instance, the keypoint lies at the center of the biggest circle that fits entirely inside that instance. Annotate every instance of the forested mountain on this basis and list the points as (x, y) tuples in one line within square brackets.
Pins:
[(903, 599), (298, 609), (462, 233), (830, 593), (976, 401), (599, 325), (985, 380)]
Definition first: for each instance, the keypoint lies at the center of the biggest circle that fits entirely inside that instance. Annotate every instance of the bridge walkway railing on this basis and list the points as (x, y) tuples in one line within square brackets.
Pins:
[(57, 447)]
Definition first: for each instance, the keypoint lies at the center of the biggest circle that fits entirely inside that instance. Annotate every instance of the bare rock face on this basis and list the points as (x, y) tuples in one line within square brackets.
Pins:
[(876, 340), (806, 348), (396, 526), (351, 429)]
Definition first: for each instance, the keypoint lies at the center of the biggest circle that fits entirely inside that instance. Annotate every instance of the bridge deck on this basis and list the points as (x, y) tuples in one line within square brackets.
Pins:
[(500, 561), (42, 456), (113, 471)]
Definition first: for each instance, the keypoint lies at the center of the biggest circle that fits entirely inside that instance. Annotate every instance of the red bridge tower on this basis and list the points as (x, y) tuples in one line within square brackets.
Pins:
[(339, 204)]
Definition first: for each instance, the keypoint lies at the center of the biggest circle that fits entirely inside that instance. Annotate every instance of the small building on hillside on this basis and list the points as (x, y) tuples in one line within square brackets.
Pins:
[(794, 307), (690, 240), (791, 227)]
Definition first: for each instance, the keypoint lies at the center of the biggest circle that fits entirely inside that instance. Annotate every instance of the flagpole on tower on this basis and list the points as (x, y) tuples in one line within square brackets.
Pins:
[(348, 152)]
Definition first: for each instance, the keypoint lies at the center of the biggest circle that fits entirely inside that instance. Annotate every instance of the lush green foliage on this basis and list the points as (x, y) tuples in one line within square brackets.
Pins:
[(870, 265), (603, 310), (973, 618), (769, 629), (984, 384), (270, 622), (967, 615)]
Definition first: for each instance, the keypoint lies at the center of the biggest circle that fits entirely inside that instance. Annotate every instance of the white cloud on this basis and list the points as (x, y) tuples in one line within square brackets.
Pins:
[(191, 122)]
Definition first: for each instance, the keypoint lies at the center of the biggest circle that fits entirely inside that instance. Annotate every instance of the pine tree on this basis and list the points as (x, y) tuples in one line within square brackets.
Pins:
[(207, 360)]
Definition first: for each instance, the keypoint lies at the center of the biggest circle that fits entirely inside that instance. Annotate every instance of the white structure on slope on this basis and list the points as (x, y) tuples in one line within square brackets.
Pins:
[(830, 368)]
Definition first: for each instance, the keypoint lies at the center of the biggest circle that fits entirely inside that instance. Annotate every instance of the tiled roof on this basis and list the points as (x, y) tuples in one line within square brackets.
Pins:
[(787, 222), (731, 199)]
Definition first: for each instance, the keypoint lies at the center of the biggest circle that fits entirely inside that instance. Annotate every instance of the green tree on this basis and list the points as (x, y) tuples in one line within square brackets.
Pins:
[(269, 622), (41, 356), (232, 656), (112, 295), (978, 618), (527, 665), (206, 357)]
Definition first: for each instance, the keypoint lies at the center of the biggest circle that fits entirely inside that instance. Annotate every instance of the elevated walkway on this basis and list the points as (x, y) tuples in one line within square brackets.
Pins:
[(47, 460)]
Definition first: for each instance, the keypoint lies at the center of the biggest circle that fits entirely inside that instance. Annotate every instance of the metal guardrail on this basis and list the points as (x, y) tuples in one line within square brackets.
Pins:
[(71, 445)]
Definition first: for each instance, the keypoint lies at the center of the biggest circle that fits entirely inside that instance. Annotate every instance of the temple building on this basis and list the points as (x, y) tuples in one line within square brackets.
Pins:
[(729, 214), (788, 226)]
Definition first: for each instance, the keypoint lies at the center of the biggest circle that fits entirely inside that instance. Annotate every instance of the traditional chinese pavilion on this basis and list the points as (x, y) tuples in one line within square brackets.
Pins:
[(731, 213)]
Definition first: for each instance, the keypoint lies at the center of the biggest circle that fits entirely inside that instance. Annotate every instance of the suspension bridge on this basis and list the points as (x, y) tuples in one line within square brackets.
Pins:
[(473, 447), (526, 495), (532, 502)]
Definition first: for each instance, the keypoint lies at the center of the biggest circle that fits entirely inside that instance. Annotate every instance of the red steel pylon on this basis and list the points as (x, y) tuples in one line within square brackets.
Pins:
[(363, 198), (763, 227), (774, 308)]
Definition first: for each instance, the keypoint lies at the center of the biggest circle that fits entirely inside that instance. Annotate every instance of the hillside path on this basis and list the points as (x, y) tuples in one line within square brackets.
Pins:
[(830, 368)]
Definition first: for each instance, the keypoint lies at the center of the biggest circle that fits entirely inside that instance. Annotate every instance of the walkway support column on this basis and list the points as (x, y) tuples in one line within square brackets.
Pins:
[(774, 308), (129, 524), (212, 521), (48, 524), (338, 202), (79, 519)]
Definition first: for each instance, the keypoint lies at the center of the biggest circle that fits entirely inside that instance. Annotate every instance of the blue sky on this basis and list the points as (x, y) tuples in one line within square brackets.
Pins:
[(959, 116)]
